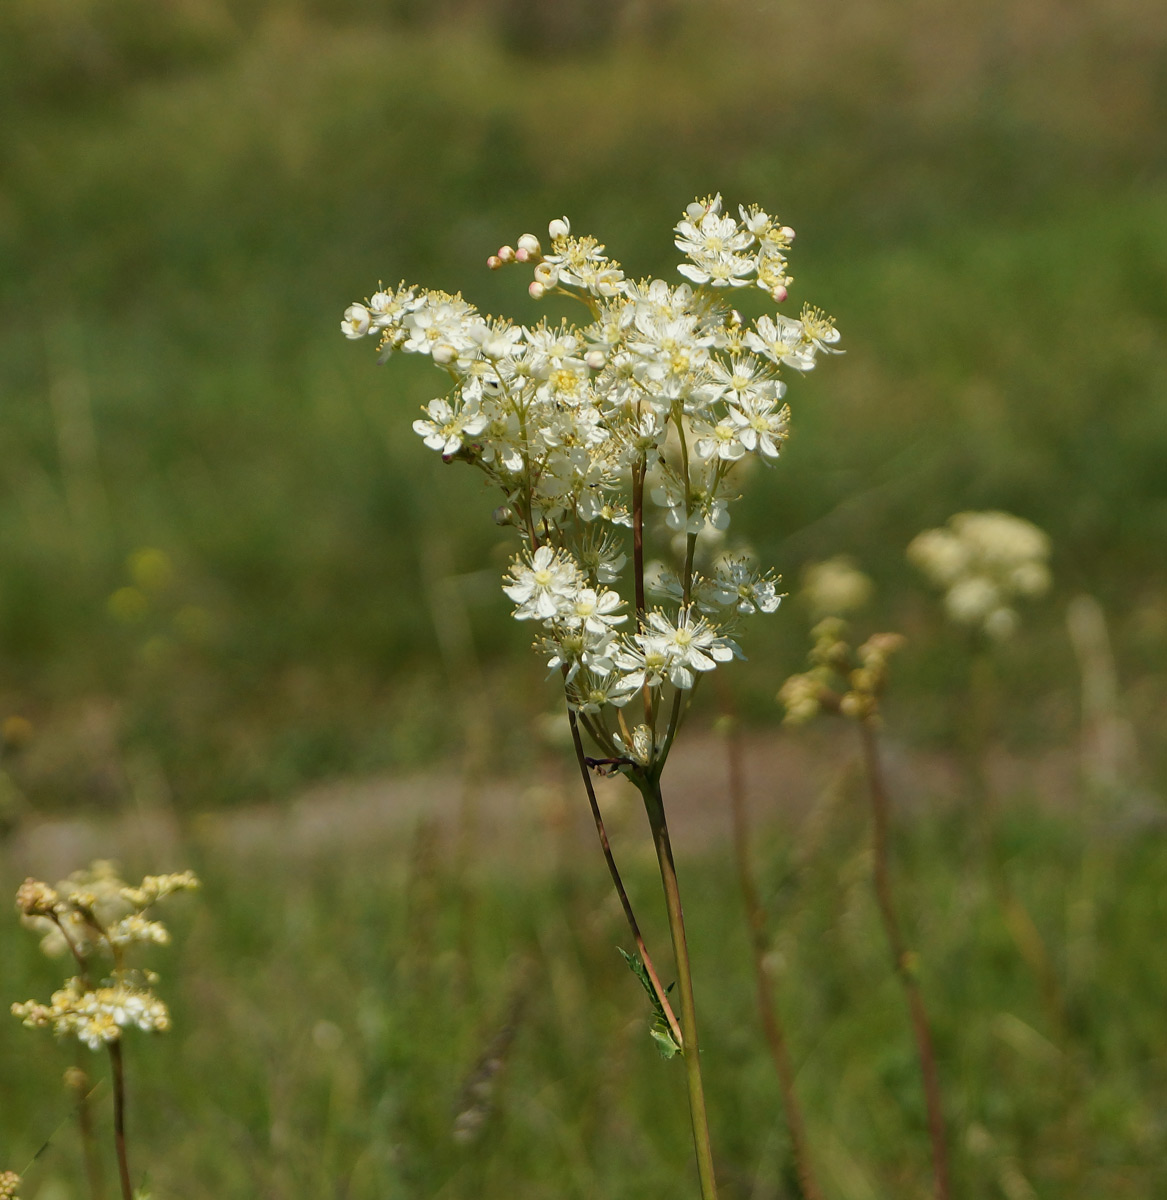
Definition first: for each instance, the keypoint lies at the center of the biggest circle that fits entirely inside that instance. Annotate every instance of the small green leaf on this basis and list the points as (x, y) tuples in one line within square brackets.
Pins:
[(664, 1043), (661, 1033)]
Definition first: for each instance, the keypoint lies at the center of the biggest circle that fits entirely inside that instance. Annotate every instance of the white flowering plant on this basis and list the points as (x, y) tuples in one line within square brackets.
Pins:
[(600, 436), (984, 561), (95, 917), (589, 431)]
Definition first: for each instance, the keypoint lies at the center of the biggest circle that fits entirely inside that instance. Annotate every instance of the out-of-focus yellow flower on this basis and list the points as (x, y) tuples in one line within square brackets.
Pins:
[(150, 569), (128, 605)]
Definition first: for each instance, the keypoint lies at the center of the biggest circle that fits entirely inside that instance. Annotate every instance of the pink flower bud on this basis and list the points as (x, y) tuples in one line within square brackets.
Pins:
[(507, 253), (779, 294), (537, 291), (521, 255), (494, 262)]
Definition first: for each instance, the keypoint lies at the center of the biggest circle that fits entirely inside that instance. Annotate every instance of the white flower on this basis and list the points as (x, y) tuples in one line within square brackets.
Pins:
[(762, 426), (447, 429), (738, 584), (589, 692), (546, 586), (781, 340), (970, 600), (673, 651), (595, 611), (722, 441), (357, 321), (744, 380)]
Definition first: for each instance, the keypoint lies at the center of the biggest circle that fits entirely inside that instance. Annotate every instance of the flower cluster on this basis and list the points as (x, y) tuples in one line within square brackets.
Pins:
[(97, 1016), (95, 913), (9, 1185), (836, 586), (984, 560), (591, 431), (841, 679)]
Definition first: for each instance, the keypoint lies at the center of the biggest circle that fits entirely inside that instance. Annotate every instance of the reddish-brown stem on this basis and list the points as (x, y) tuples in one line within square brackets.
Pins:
[(902, 960), (767, 1006), (119, 1117), (625, 903), (638, 564)]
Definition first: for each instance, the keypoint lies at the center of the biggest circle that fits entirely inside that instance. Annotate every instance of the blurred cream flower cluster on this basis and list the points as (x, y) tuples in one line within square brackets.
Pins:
[(95, 914), (9, 1185), (984, 561), (629, 424), (841, 680), (835, 587)]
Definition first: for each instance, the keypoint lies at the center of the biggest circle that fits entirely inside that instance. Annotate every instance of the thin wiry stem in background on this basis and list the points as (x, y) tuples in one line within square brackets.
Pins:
[(1018, 921), (902, 960), (78, 1082), (661, 995), (759, 944)]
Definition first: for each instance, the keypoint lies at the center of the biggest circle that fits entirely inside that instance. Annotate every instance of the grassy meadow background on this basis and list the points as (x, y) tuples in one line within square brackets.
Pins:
[(230, 573)]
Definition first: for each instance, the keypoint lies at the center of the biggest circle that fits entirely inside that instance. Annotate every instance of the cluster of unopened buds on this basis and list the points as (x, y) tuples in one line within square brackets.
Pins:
[(602, 433), (843, 680), (984, 561), (9, 1185), (96, 915)]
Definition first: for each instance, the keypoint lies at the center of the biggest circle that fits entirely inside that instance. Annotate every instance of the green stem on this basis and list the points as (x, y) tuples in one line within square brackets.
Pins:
[(662, 996), (690, 1051), (119, 1117)]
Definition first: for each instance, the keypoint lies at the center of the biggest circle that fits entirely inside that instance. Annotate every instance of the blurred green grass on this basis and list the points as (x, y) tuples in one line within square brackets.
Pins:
[(330, 1009), (191, 193)]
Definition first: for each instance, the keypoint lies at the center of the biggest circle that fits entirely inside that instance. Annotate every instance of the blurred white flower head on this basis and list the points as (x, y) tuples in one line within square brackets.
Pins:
[(836, 587), (984, 561)]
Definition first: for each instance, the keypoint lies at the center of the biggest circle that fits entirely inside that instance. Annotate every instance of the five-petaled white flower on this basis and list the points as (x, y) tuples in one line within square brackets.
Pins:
[(544, 587)]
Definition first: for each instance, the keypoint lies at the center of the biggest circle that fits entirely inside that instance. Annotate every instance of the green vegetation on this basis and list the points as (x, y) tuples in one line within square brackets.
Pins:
[(191, 193), (227, 569), (330, 1009)]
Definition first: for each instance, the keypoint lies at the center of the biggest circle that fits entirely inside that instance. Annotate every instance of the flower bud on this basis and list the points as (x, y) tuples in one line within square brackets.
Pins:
[(559, 228), (537, 291), (444, 354), (521, 255), (546, 274), (779, 294), (506, 254), (530, 243), (595, 359), (494, 262), (787, 233)]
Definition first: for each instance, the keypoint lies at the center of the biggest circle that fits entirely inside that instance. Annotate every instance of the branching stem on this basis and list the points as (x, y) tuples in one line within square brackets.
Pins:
[(658, 989)]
